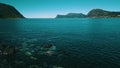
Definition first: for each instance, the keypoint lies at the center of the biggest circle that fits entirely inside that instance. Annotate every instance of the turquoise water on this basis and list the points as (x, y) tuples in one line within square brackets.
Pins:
[(80, 43)]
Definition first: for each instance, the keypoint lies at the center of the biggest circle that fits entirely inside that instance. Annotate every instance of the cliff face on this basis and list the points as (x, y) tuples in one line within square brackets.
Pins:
[(102, 13), (72, 15), (7, 11)]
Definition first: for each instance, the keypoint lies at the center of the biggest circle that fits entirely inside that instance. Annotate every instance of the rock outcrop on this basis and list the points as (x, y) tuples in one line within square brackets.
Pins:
[(7, 11)]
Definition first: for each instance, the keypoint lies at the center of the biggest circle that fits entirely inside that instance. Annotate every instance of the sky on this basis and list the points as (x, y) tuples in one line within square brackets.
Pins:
[(50, 8)]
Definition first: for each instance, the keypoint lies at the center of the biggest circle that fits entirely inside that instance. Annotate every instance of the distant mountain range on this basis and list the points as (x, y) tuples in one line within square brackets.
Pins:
[(94, 13), (72, 15), (7, 11)]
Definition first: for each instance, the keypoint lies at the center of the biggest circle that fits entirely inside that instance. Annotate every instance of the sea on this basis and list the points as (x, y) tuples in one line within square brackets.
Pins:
[(79, 42)]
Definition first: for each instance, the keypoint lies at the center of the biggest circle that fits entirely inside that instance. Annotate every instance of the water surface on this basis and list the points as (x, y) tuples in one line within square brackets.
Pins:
[(81, 43)]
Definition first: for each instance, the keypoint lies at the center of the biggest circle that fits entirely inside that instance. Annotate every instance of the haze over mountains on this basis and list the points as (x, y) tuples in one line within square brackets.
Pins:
[(7, 11)]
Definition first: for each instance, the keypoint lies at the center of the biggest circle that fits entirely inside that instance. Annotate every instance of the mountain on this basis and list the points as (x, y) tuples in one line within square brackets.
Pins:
[(96, 13), (7, 11), (72, 15)]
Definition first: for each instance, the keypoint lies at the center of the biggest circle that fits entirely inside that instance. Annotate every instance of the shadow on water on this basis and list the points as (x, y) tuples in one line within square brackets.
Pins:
[(8, 25), (7, 28)]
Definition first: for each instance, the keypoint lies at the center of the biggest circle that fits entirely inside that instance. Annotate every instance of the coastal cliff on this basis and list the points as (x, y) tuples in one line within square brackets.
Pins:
[(7, 11)]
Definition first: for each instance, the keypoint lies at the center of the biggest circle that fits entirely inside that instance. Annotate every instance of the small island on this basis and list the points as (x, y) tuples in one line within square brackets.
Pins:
[(8, 11)]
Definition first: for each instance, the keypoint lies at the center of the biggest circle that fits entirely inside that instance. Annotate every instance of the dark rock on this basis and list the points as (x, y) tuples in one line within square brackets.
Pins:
[(7, 11), (48, 47), (7, 51)]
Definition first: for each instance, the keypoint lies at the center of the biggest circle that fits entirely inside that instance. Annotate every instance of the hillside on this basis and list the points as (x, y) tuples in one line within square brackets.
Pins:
[(7, 11)]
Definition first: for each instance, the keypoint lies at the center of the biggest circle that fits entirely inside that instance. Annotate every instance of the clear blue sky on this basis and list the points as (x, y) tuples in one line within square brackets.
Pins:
[(50, 8)]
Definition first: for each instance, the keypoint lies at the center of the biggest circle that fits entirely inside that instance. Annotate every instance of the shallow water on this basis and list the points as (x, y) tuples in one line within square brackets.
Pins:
[(80, 43)]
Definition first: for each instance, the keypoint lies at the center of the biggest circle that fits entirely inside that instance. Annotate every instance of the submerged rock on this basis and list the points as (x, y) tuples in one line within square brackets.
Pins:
[(28, 53), (50, 53), (57, 67), (7, 51), (47, 47), (35, 66), (33, 58)]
